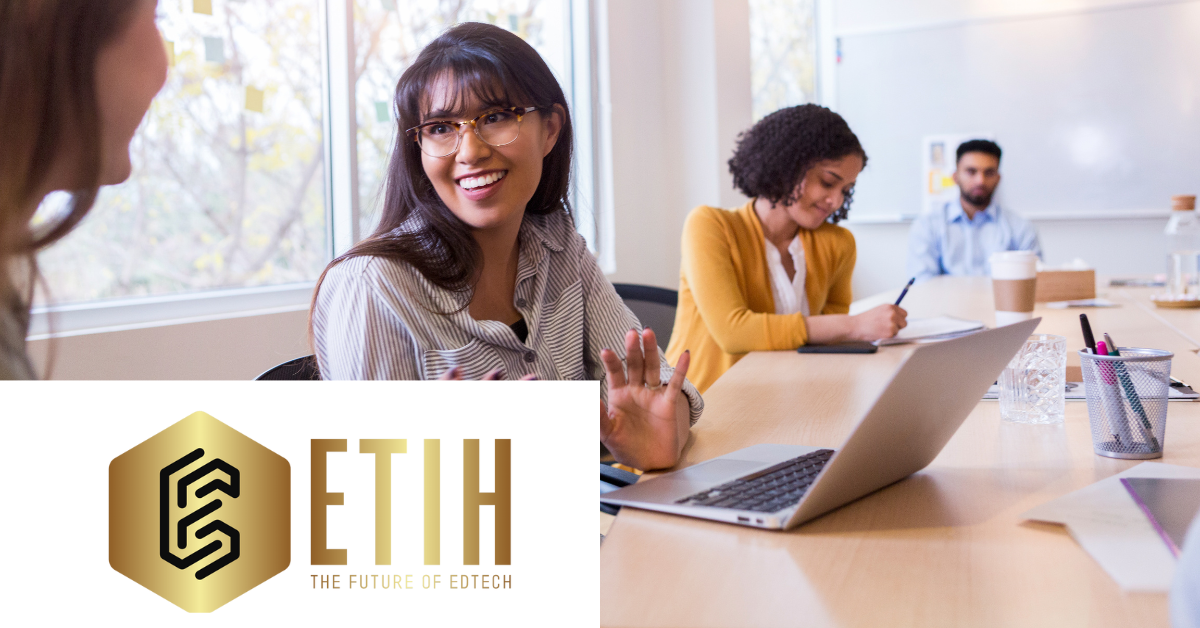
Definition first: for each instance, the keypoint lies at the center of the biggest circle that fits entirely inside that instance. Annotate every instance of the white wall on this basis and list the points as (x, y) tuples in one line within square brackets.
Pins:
[(680, 93), (1116, 245), (869, 15)]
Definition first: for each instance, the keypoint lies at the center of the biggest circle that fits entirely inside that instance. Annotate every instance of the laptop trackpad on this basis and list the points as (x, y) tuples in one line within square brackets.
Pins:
[(667, 488), (714, 471)]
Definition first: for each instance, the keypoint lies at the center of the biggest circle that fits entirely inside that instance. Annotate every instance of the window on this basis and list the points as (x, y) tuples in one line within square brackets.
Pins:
[(783, 54), (228, 180), (237, 191)]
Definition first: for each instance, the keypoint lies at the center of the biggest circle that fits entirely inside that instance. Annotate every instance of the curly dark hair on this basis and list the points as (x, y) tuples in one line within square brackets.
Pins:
[(773, 156)]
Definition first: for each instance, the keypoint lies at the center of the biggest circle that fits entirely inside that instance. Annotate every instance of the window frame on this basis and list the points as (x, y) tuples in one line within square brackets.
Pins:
[(342, 210)]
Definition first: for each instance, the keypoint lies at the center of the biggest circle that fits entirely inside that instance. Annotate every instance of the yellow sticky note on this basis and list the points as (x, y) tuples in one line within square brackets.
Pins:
[(202, 6), (170, 46), (254, 99)]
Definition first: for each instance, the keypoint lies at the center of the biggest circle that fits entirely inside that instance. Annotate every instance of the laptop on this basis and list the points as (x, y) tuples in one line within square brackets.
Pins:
[(782, 486)]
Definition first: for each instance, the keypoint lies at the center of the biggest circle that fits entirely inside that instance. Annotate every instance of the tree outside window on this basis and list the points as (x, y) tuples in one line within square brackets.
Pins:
[(783, 54), (228, 180)]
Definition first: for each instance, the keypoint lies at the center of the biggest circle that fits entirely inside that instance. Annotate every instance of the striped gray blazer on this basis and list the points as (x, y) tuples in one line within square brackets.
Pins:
[(375, 318)]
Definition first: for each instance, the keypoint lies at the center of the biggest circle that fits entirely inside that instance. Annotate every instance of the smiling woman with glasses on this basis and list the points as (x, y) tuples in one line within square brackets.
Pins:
[(476, 270)]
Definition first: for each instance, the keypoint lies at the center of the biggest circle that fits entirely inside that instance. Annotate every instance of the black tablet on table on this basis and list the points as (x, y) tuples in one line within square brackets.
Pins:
[(841, 347)]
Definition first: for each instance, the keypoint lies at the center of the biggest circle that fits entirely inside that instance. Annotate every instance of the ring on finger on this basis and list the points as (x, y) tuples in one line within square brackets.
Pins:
[(654, 386)]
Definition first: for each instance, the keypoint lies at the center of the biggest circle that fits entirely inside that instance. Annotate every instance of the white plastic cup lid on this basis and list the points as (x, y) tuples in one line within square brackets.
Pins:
[(1014, 265), (1014, 256)]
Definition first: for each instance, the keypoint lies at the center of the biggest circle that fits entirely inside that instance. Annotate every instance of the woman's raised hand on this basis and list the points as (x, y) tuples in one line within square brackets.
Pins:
[(645, 423)]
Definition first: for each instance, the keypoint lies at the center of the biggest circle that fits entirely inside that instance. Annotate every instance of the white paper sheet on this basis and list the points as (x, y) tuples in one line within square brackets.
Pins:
[(939, 328), (1106, 522)]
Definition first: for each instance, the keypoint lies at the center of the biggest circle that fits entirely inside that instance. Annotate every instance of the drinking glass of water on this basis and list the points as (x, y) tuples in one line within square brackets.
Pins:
[(1033, 385)]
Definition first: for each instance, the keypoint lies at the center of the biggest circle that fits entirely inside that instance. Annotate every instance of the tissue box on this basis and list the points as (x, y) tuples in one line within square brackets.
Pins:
[(1065, 285)]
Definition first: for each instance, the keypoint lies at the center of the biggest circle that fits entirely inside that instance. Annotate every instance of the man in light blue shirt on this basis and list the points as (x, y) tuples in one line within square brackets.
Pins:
[(959, 237)]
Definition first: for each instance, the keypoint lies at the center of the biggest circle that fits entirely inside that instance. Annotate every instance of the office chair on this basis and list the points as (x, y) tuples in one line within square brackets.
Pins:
[(304, 368), (654, 307)]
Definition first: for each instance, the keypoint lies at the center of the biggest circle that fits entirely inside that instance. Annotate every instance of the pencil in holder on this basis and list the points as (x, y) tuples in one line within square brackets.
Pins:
[(1127, 401)]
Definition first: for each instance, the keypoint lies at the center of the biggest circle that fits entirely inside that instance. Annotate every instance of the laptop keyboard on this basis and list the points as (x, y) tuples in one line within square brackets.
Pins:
[(769, 490)]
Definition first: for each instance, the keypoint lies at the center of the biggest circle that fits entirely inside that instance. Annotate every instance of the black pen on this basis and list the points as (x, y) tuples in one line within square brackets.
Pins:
[(1087, 333), (905, 290)]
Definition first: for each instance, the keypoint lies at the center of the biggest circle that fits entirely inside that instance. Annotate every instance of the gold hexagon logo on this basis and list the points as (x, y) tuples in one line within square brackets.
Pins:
[(199, 513)]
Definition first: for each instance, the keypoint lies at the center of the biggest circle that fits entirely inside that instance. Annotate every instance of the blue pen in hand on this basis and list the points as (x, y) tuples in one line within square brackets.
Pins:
[(905, 291)]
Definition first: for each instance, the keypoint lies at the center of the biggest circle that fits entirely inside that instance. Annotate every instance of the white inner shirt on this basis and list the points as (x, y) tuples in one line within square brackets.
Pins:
[(790, 296)]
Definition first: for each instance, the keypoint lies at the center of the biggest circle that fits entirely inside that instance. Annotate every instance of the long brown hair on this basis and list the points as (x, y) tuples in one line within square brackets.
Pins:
[(48, 52), (416, 227)]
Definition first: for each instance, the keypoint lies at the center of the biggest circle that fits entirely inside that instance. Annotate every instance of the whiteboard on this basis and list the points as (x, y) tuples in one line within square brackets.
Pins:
[(1097, 111)]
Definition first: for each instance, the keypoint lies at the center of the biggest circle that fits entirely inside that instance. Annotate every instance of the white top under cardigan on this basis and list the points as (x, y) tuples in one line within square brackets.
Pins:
[(789, 294)]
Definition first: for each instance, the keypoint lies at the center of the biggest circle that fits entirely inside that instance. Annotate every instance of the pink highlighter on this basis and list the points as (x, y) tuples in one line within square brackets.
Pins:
[(1106, 370), (1111, 396)]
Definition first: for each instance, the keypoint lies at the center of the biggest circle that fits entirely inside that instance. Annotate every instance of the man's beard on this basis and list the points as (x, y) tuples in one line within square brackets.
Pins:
[(978, 200)]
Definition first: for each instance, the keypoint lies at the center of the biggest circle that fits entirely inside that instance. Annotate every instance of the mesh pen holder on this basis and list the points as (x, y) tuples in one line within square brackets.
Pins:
[(1127, 401)]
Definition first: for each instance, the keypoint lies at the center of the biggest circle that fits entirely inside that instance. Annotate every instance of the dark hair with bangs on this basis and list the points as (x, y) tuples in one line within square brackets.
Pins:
[(775, 154), (416, 227)]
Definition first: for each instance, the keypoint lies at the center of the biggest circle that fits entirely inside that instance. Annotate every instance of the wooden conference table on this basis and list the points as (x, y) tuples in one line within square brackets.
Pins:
[(945, 547)]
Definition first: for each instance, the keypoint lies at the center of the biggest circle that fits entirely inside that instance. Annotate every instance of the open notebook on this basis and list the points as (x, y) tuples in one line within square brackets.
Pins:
[(931, 329)]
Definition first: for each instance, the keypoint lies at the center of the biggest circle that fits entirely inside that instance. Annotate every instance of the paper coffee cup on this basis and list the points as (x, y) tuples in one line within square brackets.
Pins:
[(1014, 284)]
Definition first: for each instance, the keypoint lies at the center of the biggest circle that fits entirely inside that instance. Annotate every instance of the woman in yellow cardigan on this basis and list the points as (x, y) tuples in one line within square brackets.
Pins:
[(774, 274)]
